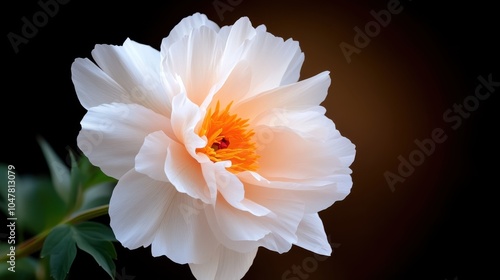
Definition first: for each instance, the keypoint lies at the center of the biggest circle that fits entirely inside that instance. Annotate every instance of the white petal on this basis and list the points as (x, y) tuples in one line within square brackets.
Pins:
[(236, 224), (311, 235), (152, 156), (146, 212), (308, 122), (136, 68), (292, 73), (112, 135), (232, 88), (137, 207), (218, 178), (237, 35), (93, 86), (225, 265), (185, 118), (185, 173), (185, 27), (274, 62), (316, 194), (304, 94), (271, 58), (194, 59), (307, 148), (241, 230), (235, 39), (184, 235), (287, 212), (230, 187)]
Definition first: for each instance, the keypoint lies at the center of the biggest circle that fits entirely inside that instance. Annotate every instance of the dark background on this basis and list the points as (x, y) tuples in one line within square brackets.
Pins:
[(437, 224)]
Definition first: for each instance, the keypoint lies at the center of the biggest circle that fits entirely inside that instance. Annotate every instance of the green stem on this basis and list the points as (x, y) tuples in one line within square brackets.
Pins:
[(35, 243)]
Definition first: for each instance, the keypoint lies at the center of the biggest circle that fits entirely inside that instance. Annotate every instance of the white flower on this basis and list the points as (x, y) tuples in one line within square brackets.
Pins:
[(218, 148)]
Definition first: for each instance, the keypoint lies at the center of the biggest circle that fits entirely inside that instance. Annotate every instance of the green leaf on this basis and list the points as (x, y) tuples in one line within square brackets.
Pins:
[(92, 175), (75, 187), (93, 230), (38, 207), (95, 239), (58, 171), (95, 196), (60, 246), (91, 237)]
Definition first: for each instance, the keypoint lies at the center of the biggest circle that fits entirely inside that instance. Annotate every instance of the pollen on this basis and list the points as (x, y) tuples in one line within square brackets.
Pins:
[(229, 138)]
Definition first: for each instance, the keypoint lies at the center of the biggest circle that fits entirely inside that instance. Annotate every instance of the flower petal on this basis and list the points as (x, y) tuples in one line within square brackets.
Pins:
[(230, 187), (304, 94), (184, 235), (234, 223), (302, 145), (152, 156), (273, 61), (241, 230), (311, 235), (225, 265), (93, 86), (185, 173), (194, 59), (185, 118), (112, 135), (136, 68), (137, 207), (315, 194), (185, 27), (147, 212), (232, 88)]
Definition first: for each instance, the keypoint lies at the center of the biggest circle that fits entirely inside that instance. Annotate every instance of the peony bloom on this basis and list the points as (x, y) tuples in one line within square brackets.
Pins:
[(217, 147)]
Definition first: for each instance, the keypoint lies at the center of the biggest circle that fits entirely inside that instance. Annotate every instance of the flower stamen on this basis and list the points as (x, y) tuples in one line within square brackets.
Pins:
[(229, 138)]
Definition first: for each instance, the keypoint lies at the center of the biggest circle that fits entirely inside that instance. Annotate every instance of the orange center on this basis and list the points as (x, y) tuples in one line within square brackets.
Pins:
[(229, 138)]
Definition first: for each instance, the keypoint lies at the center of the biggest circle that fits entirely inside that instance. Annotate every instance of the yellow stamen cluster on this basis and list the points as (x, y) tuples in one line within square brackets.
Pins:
[(229, 138)]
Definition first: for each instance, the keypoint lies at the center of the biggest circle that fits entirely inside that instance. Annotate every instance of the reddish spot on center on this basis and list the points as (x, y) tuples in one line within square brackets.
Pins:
[(224, 143)]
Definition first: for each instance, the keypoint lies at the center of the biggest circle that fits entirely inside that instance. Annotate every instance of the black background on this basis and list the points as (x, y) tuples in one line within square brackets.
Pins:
[(437, 224)]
